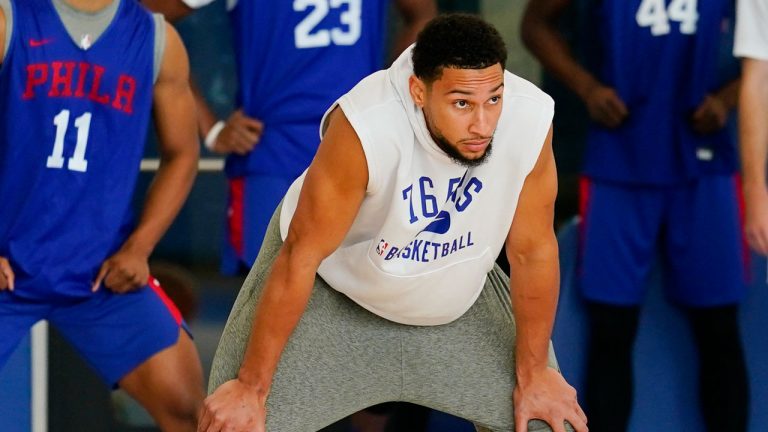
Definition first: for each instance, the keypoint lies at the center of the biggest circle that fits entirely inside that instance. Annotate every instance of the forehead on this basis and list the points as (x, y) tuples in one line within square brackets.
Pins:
[(469, 80)]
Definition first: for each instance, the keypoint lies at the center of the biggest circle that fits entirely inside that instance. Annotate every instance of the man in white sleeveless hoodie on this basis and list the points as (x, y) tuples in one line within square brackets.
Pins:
[(376, 281)]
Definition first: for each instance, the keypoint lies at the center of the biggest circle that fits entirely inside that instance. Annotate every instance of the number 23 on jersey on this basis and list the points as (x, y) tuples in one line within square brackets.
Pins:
[(346, 32)]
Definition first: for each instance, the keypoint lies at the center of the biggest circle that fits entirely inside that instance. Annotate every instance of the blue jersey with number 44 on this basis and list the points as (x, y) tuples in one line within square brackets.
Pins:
[(72, 127), (662, 57), (294, 59)]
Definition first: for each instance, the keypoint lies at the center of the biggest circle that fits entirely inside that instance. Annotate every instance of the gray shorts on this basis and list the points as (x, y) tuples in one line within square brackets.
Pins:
[(342, 358)]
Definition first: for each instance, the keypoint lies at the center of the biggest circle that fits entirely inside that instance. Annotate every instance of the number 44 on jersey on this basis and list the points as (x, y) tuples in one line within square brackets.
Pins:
[(656, 15)]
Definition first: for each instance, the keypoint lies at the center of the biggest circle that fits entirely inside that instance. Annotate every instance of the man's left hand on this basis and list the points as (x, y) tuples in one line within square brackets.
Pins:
[(710, 116), (125, 271), (546, 396)]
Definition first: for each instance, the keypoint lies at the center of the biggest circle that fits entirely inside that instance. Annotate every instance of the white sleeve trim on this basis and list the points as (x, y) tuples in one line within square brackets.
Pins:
[(159, 49), (751, 29)]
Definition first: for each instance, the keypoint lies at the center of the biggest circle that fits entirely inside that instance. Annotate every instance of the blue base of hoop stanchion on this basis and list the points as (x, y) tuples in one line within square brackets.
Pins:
[(16, 390)]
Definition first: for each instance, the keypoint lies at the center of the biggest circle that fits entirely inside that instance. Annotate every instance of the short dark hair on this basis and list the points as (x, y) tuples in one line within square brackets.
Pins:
[(459, 41)]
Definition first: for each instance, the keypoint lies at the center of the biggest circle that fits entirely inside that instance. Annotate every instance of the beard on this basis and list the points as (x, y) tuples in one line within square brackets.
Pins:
[(452, 150), (456, 156)]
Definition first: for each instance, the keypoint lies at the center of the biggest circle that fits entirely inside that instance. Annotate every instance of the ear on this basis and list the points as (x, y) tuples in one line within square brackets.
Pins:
[(418, 90)]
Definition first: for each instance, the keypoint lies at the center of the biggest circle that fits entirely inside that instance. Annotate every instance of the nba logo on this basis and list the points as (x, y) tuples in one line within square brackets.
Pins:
[(381, 247)]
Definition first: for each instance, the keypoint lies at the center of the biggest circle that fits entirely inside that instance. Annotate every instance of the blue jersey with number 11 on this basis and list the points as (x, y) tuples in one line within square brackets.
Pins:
[(72, 130), (294, 59)]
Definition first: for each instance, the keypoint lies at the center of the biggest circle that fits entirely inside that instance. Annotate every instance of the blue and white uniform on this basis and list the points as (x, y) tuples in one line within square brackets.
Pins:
[(294, 58), (73, 121), (654, 177)]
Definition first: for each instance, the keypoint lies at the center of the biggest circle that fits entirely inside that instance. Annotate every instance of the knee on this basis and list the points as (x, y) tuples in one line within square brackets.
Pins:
[(180, 409)]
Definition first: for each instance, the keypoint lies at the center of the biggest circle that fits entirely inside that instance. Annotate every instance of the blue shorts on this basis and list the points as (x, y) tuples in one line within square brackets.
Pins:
[(696, 229), (114, 333), (251, 202)]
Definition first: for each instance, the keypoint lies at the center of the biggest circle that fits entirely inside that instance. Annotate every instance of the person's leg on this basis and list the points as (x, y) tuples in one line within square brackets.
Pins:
[(609, 389), (706, 256), (724, 389), (339, 359), (620, 226), (169, 385), (466, 367), (138, 341)]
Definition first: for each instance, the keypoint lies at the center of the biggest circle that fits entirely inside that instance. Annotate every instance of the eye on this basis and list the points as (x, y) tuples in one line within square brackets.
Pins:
[(494, 100), (461, 104)]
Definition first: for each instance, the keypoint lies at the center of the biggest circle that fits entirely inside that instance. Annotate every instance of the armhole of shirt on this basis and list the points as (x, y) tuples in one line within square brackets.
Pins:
[(7, 8), (344, 105), (543, 127), (363, 134), (159, 45)]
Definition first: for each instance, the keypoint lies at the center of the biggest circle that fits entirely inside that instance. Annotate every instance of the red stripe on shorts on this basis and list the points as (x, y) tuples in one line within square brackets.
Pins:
[(235, 214), (585, 200), (155, 285), (745, 253), (585, 192)]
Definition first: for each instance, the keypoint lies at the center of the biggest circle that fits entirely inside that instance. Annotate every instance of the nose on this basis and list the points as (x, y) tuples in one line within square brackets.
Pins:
[(480, 124)]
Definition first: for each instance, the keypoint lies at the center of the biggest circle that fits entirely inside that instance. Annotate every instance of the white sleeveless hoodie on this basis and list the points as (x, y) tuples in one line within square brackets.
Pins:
[(429, 229)]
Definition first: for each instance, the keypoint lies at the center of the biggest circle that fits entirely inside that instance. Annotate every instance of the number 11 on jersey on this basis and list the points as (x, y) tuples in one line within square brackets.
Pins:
[(77, 162)]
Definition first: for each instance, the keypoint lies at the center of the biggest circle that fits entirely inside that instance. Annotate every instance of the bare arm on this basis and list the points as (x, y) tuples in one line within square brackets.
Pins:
[(330, 199), (542, 37), (206, 118), (753, 133), (2, 35), (416, 14), (174, 114), (534, 286), (173, 10)]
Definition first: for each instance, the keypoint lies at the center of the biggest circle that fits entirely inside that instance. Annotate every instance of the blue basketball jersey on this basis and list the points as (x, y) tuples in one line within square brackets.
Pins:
[(294, 59), (662, 57), (72, 129)]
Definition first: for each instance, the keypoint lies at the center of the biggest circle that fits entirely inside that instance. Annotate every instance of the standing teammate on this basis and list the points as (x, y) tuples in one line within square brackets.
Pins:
[(659, 174), (385, 287), (752, 46), (294, 58), (77, 83)]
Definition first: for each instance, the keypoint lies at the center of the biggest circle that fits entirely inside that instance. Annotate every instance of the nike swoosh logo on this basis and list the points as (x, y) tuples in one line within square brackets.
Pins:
[(440, 225), (39, 42)]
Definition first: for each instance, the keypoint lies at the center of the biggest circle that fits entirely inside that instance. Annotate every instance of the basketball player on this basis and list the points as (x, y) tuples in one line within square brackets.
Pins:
[(659, 173), (752, 46), (294, 58), (401, 214), (77, 83)]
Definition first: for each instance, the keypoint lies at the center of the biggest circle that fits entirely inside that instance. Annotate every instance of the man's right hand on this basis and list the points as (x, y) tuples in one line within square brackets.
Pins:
[(605, 106), (240, 134), (6, 275), (236, 407), (756, 218)]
